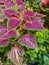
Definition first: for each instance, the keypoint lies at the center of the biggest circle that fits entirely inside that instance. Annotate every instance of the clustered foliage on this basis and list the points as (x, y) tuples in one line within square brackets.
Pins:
[(23, 37)]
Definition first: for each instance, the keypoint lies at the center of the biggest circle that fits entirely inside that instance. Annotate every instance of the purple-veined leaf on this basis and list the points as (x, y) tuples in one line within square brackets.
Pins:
[(37, 25), (4, 43), (34, 25), (29, 13), (28, 40), (19, 2), (39, 19), (16, 55), (4, 0), (21, 7), (2, 30), (26, 18), (28, 26), (9, 4), (11, 13), (13, 23), (8, 35)]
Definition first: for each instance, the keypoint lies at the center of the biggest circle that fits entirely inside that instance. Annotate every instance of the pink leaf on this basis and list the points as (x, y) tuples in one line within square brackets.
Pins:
[(4, 43), (11, 13), (9, 34), (21, 7), (29, 13), (16, 55), (5, 0), (2, 30), (28, 40), (39, 19), (37, 24), (9, 4), (19, 2), (34, 25), (13, 23), (26, 18)]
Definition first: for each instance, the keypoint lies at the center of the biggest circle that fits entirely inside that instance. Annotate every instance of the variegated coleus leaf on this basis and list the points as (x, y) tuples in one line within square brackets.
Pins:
[(16, 55), (4, 0), (34, 25), (13, 23), (3, 29), (19, 2), (11, 13), (29, 13), (8, 35), (9, 4), (26, 18), (4, 43), (38, 18), (4, 36), (21, 7), (29, 41)]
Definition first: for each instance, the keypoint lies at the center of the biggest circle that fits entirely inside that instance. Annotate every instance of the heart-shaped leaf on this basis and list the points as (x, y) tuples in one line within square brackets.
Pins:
[(34, 25), (11, 13), (28, 40), (16, 55), (13, 23)]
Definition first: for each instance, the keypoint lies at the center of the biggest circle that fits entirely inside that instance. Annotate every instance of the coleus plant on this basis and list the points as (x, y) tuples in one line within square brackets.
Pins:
[(23, 18)]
